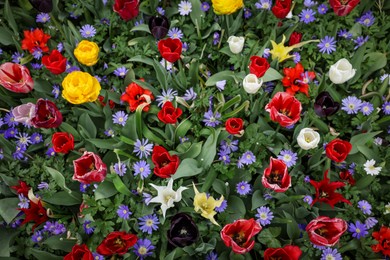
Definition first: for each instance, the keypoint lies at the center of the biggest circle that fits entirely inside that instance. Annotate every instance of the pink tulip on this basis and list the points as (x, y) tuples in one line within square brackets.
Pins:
[(16, 78)]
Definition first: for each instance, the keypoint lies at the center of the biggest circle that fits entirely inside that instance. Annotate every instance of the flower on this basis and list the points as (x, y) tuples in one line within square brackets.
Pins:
[(296, 80), (360, 41), (247, 158), (238, 235), (351, 105), (47, 115), (324, 105), (337, 150), (284, 109), (127, 9), (116, 242), (80, 87), (87, 31), (366, 108), (89, 168), (358, 229), (234, 126), (327, 45), (236, 44), (287, 252), (87, 53), (308, 139), (264, 215), (252, 83), (120, 168), (169, 114), (16, 78), (243, 188), (124, 212), (45, 6), (55, 62), (205, 6), (185, 8), (369, 167), (325, 231), (280, 9), (330, 253), (365, 207), (167, 196), (307, 16), (63, 142), (258, 66), (148, 223), (344, 34), (175, 33), (281, 52), (347, 176), (343, 7), (206, 205), (120, 118), (135, 95), (158, 26), (141, 168), (386, 108), (322, 9), (142, 148), (35, 38), (326, 191), (24, 202), (308, 199), (79, 252), (121, 72), (276, 177), (36, 213), (143, 248), (367, 19), (87, 228), (295, 38), (183, 230), (383, 238), (370, 222), (166, 95), (288, 157), (211, 119), (226, 6), (165, 165), (264, 4), (170, 49), (24, 113), (341, 71)]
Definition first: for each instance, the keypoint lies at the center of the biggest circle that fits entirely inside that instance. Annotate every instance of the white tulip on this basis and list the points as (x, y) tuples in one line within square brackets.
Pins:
[(341, 71), (308, 139), (236, 44), (252, 84)]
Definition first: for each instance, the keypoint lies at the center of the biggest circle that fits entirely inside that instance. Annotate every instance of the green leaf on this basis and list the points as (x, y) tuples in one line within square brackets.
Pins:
[(6, 36), (58, 178), (140, 28), (182, 129), (188, 167), (60, 243), (152, 137), (109, 144), (119, 185), (196, 13), (105, 190), (258, 199), (236, 208), (142, 59), (5, 238), (161, 74), (208, 152), (220, 187), (9, 17), (62, 198), (65, 127), (292, 227), (222, 75), (211, 29), (271, 75), (364, 182), (231, 102), (87, 125), (361, 139), (42, 255), (192, 152), (268, 237), (375, 61), (9, 209)]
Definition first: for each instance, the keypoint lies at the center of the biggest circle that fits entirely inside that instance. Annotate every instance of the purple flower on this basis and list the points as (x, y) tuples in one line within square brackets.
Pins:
[(190, 94), (24, 202), (120, 72), (56, 91), (211, 119), (288, 157), (359, 41), (10, 133), (36, 66), (83, 187), (141, 168), (264, 4), (142, 148), (23, 139), (330, 253), (365, 207), (266, 53), (212, 256), (222, 207), (43, 186), (322, 9), (247, 158), (307, 179), (185, 8), (220, 85), (367, 19), (120, 118), (358, 229), (17, 57), (166, 95), (175, 33), (386, 108), (88, 31), (146, 197), (87, 228), (105, 21), (60, 47), (205, 6), (309, 3), (43, 18), (370, 222), (9, 119), (247, 13), (307, 16), (160, 11), (37, 237), (148, 223), (19, 152), (297, 57), (308, 199), (54, 227), (327, 45), (50, 152), (229, 145), (351, 105), (366, 108), (143, 248), (124, 212), (37, 53), (344, 34), (216, 38), (120, 168), (109, 132), (264, 215), (224, 157), (243, 188)]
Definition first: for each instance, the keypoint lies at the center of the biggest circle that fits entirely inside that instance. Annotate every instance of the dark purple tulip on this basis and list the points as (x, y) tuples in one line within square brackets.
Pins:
[(183, 231), (158, 26), (47, 115), (45, 6), (325, 105)]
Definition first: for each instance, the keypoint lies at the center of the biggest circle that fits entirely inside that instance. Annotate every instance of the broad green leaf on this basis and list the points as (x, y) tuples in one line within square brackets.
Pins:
[(269, 236), (64, 199), (188, 167), (110, 144), (152, 137), (65, 127), (9, 17), (207, 155), (42, 255), (196, 14), (222, 75), (6, 36), (258, 200), (292, 227), (220, 187), (271, 74), (182, 129), (361, 139), (58, 178), (119, 185), (161, 74), (140, 28), (364, 182), (105, 189), (375, 61), (142, 59), (192, 152), (6, 235), (87, 125), (60, 243), (9, 209), (231, 102)]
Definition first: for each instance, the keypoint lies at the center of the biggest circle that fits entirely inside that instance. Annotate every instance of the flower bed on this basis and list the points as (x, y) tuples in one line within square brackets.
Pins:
[(194, 130)]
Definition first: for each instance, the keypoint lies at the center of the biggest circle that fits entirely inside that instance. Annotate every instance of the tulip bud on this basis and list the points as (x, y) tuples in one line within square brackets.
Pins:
[(236, 44), (341, 71), (159, 26), (252, 84), (308, 139)]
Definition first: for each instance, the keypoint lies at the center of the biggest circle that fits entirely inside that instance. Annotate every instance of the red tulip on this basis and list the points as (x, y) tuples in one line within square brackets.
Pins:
[(117, 242), (288, 252), (276, 177), (258, 66), (36, 212), (170, 49), (135, 95), (337, 150), (47, 115), (234, 126), (35, 39), (295, 38), (383, 238), (16, 78), (169, 114), (89, 168), (127, 9), (79, 252), (62, 142), (281, 8), (284, 109), (55, 62), (343, 7), (325, 231), (296, 80), (165, 165)]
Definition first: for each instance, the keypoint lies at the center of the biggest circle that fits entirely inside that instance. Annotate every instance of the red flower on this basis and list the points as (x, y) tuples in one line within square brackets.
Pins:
[(62, 142), (295, 38), (127, 9), (289, 252), (281, 8), (22, 188), (170, 49), (47, 115), (325, 231), (36, 212), (55, 62), (16, 78), (276, 177), (165, 165), (296, 80), (110, 102), (284, 109), (383, 238), (79, 252), (343, 7), (136, 95), (89, 168), (325, 191), (337, 150), (35, 39), (347, 176), (234, 126), (117, 242), (239, 234), (169, 114), (258, 66)]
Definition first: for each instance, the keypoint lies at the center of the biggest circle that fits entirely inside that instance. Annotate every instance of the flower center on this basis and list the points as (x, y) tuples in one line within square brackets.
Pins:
[(239, 238), (274, 178), (142, 250), (149, 222), (119, 242)]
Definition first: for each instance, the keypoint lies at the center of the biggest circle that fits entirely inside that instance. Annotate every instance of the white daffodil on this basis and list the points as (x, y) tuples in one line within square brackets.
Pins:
[(370, 168), (167, 196)]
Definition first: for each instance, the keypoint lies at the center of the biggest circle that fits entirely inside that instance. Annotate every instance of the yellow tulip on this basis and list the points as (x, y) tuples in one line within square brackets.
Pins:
[(226, 6), (205, 205), (87, 53), (80, 87), (281, 52)]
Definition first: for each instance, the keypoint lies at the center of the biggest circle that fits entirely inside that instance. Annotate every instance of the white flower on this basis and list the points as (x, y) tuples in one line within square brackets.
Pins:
[(341, 71), (236, 44), (167, 196), (185, 8), (387, 208), (370, 168), (308, 139), (252, 84)]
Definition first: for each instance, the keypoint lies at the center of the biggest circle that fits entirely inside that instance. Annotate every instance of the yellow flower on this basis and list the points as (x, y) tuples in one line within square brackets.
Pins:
[(87, 53), (80, 87), (281, 52), (227, 6), (206, 205)]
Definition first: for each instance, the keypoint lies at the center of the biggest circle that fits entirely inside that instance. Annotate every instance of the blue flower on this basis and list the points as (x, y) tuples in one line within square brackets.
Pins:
[(307, 16), (142, 148), (88, 31), (327, 45), (149, 223), (264, 215)]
